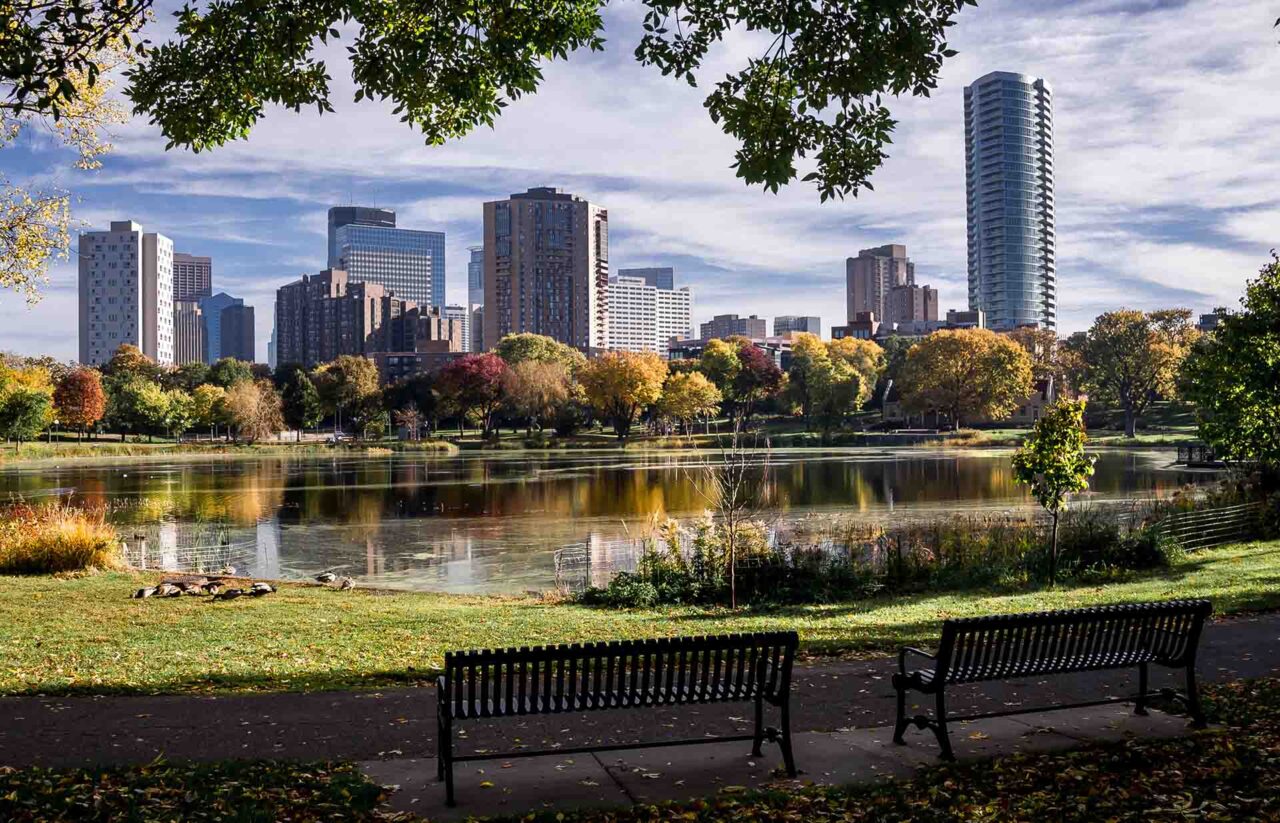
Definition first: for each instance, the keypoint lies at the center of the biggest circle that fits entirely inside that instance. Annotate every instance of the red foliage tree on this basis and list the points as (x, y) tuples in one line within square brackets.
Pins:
[(79, 399), (474, 385), (757, 380)]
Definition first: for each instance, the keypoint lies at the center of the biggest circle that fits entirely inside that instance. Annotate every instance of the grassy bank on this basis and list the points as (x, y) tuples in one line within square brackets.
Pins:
[(1224, 774), (104, 449), (83, 635)]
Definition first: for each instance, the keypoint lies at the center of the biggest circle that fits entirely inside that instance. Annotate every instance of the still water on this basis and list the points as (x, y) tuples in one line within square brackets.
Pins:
[(480, 522)]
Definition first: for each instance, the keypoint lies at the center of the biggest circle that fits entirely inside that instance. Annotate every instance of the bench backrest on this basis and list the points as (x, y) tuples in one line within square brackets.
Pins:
[(1056, 642), (618, 674)]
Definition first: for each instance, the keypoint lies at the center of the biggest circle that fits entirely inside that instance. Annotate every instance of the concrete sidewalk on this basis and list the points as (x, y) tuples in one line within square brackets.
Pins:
[(828, 695), (620, 779)]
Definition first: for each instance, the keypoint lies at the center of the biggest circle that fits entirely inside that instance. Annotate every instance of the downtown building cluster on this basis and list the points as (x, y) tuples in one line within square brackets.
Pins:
[(135, 289)]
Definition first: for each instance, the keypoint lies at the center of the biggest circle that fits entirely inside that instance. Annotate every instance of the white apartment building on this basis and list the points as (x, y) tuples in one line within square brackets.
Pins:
[(126, 293), (645, 318)]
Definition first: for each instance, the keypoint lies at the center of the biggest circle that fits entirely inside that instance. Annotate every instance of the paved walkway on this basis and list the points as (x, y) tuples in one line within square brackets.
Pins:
[(525, 785), (830, 695)]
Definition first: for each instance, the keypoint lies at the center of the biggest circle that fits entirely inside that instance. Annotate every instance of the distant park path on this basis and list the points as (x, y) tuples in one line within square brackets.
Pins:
[(367, 725)]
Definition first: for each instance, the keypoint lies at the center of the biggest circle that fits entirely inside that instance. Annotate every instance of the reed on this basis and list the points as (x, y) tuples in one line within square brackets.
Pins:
[(54, 538)]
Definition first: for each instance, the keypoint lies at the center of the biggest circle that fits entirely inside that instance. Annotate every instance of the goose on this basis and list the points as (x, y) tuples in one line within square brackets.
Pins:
[(144, 593), (259, 589), (229, 594), (228, 569), (192, 589), (326, 577), (347, 583), (212, 587), (167, 590)]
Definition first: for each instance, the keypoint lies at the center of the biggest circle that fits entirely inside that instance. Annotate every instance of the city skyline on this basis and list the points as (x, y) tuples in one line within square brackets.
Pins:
[(1135, 227)]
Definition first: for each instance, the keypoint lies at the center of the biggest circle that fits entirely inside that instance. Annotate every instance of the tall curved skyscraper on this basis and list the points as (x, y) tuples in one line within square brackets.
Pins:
[(1009, 173)]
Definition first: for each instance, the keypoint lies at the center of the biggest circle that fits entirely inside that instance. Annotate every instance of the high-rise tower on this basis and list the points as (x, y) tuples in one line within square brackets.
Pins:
[(1009, 175)]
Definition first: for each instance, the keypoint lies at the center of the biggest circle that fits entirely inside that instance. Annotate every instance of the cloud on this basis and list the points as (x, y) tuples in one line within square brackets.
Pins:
[(1165, 124)]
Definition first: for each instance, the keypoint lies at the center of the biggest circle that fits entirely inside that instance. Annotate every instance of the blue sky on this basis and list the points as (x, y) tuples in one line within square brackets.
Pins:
[(1167, 125)]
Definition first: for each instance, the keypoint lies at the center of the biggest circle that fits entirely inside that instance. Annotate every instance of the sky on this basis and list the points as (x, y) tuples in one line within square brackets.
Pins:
[(1167, 152)]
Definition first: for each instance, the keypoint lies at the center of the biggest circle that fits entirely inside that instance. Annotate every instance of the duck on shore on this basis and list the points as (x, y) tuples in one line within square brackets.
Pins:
[(259, 589), (326, 577), (143, 593), (229, 594)]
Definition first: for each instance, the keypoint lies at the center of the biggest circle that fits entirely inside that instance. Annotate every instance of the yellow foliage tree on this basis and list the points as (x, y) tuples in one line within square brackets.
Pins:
[(620, 385), (966, 374), (688, 397), (35, 222)]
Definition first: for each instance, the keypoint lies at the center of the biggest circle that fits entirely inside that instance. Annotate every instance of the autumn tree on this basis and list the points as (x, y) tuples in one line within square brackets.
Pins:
[(688, 397), (865, 357), (79, 399), (809, 359), (1042, 346), (228, 371), (137, 405), (966, 374), (348, 385), (129, 361), (300, 400), (515, 349), (180, 415), (254, 408), (1232, 375), (620, 385), (1053, 463), (56, 64), (537, 389), (26, 402), (475, 385), (189, 375), (1131, 358), (208, 406)]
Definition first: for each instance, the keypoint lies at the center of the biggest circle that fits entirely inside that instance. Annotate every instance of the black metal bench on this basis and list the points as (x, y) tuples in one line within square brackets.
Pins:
[(999, 647), (633, 674)]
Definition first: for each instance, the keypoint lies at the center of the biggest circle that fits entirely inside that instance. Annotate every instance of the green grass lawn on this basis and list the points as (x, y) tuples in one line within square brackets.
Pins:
[(84, 634)]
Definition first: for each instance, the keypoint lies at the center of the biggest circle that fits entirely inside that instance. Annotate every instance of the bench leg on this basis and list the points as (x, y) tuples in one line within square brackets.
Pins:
[(1193, 698), (940, 727), (759, 738), (445, 765), (900, 725), (788, 758), (1140, 708)]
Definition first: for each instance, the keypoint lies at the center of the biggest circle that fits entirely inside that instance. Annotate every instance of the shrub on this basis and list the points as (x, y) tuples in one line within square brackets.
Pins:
[(54, 538), (625, 591)]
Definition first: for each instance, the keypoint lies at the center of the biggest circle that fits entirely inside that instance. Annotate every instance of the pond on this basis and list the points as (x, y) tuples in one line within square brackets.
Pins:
[(495, 522)]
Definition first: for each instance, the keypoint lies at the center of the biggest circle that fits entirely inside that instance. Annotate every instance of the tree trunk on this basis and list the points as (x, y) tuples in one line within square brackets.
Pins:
[(1130, 422), (1053, 553)]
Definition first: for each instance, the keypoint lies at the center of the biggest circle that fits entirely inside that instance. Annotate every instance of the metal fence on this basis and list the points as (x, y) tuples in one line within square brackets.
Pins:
[(1204, 528)]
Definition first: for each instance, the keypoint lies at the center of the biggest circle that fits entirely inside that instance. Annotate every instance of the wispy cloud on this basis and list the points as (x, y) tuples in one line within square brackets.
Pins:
[(1166, 119)]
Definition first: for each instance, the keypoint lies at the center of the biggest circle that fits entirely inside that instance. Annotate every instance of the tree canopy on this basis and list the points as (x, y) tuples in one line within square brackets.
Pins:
[(1232, 375), (620, 385), (816, 94), (966, 374)]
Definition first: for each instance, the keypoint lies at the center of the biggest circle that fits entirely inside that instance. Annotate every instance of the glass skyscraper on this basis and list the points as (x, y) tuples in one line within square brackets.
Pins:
[(1009, 176), (366, 244)]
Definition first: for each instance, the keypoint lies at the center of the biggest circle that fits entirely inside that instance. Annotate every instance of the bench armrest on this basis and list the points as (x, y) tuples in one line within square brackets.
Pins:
[(905, 650)]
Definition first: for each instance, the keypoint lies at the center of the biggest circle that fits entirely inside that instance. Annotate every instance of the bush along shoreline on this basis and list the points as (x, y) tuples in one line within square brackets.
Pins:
[(53, 538), (690, 564)]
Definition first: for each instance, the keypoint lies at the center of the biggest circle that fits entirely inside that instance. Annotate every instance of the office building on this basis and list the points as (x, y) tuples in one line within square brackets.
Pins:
[(643, 317), (730, 325), (461, 316), (367, 245), (321, 316), (188, 332), (475, 276), (237, 333), (864, 326), (870, 276), (272, 362), (1009, 179), (546, 268), (212, 308), (660, 277), (910, 303), (790, 324), (192, 276), (125, 293), (972, 319)]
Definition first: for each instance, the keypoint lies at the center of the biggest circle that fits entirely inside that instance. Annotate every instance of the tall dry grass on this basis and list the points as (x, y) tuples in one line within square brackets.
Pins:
[(52, 538)]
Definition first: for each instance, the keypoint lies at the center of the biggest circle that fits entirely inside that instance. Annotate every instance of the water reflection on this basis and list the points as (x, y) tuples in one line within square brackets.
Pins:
[(494, 522)]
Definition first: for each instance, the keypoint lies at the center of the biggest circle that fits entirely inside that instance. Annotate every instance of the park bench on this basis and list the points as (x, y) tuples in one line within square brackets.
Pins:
[(632, 674), (999, 647)]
